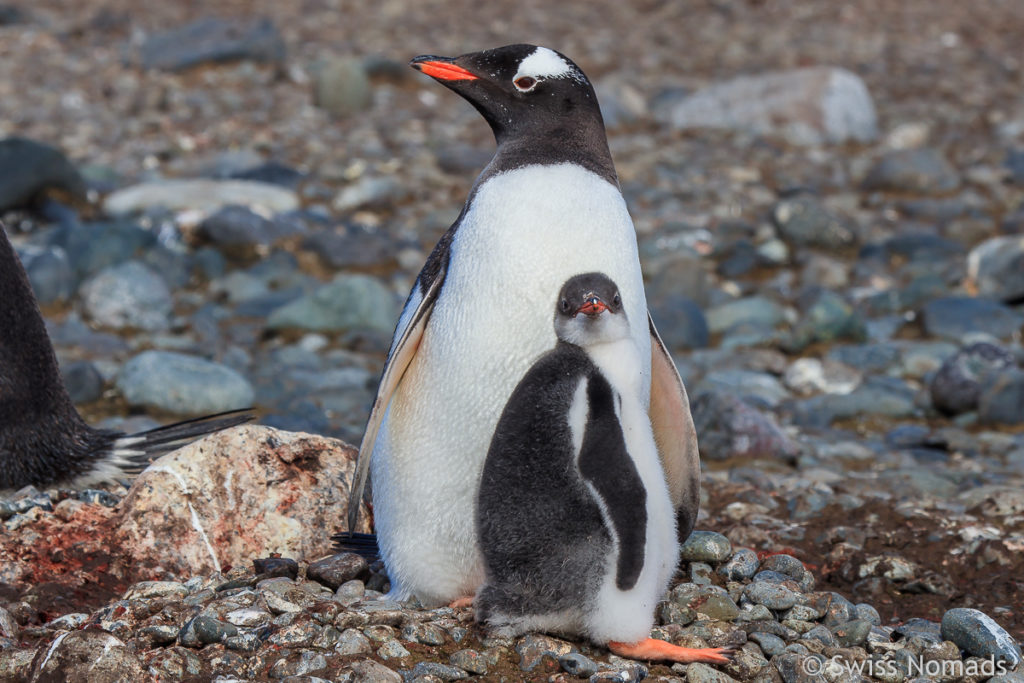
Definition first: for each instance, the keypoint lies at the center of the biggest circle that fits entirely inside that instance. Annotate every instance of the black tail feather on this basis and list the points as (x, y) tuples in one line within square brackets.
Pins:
[(142, 447), (358, 543)]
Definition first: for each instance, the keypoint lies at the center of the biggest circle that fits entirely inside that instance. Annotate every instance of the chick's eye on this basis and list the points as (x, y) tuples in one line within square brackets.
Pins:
[(616, 299), (524, 83), (565, 305)]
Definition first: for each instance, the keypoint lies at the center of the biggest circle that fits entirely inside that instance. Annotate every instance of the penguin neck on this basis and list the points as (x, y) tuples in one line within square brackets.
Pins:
[(30, 380), (582, 142)]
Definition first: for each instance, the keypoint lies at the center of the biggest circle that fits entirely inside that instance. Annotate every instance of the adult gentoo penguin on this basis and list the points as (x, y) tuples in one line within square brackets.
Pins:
[(574, 519), (546, 207), (43, 439)]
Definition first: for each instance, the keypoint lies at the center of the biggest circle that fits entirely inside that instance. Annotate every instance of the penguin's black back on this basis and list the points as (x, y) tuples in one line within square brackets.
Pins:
[(545, 544), (38, 422)]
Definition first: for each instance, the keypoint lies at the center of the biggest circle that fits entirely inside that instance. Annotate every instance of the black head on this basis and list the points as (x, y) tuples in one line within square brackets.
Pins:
[(519, 89)]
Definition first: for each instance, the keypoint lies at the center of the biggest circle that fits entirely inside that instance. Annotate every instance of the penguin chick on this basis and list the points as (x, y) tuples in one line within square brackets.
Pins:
[(574, 518), (44, 442)]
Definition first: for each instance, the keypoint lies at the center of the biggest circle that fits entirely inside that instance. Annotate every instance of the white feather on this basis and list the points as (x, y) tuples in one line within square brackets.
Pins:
[(546, 63)]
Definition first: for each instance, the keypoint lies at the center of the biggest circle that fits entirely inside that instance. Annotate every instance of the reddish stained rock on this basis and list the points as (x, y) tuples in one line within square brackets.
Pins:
[(234, 496)]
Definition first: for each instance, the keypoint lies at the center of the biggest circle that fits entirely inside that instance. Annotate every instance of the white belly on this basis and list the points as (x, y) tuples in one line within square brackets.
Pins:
[(527, 232)]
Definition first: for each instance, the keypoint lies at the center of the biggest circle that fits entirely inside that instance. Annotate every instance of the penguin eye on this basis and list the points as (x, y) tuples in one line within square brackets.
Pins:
[(617, 300), (565, 305), (525, 83)]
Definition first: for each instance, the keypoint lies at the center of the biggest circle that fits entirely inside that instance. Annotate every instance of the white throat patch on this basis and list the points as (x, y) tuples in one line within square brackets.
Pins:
[(546, 63)]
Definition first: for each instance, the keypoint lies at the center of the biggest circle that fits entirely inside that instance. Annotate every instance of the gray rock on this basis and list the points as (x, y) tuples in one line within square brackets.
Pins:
[(978, 634), (770, 643), (705, 546), (868, 613), (752, 310), (213, 40), (296, 634), (808, 106), (369, 671), (441, 671), (237, 226), (128, 295), (29, 168), (680, 322), (997, 268), (955, 318), (469, 660), (91, 247), (392, 649), (247, 641), (1002, 401), (923, 629), (958, 384), (532, 647), (759, 388), (352, 642), (884, 396), (350, 302), (730, 428), (341, 86), (203, 630), (182, 384), (702, 673), (50, 273), (742, 565), (922, 170), (576, 664), (852, 633), (370, 193), (88, 655), (337, 569), (201, 194), (298, 664), (828, 318), (773, 596), (804, 221), (82, 380), (352, 246)]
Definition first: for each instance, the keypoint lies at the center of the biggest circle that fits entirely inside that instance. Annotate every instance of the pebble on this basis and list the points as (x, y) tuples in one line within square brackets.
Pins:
[(705, 546), (772, 596), (341, 86), (444, 672), (979, 635), (213, 40), (1002, 402), (578, 665), (805, 221), (958, 384), (957, 318), (338, 569), (182, 384), (742, 565), (810, 106), (129, 295), (29, 167), (207, 195), (922, 170), (997, 268), (349, 302)]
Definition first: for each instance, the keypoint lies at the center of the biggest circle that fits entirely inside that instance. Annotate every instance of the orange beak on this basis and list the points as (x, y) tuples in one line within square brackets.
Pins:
[(592, 306), (441, 69)]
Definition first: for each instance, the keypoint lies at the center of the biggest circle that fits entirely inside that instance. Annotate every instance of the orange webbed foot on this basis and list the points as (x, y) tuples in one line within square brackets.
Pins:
[(461, 602), (652, 649)]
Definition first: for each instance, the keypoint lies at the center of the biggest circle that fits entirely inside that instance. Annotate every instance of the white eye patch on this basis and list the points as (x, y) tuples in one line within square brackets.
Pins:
[(544, 63)]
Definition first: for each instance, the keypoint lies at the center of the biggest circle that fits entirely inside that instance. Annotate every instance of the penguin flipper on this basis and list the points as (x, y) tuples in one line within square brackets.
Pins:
[(674, 433), (402, 353)]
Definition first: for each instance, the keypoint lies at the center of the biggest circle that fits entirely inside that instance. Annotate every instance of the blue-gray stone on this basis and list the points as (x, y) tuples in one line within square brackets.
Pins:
[(784, 564), (237, 226), (958, 384), (182, 384), (805, 221), (203, 630), (28, 168), (921, 628), (705, 546), (755, 310), (91, 247), (821, 634), (50, 274), (680, 322), (213, 40), (577, 665), (341, 86), (742, 565), (758, 388), (443, 671), (884, 396), (866, 612), (921, 170), (350, 302), (955, 318), (1002, 401), (827, 319), (997, 267), (730, 428), (129, 295), (979, 635), (352, 246), (770, 643), (852, 633), (771, 595), (82, 380)]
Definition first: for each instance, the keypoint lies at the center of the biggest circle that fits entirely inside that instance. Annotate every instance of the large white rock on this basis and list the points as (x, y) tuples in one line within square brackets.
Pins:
[(809, 106), (232, 497), (202, 194)]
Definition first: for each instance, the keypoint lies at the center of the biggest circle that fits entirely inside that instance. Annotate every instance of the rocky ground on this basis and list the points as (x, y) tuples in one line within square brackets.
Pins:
[(834, 257)]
